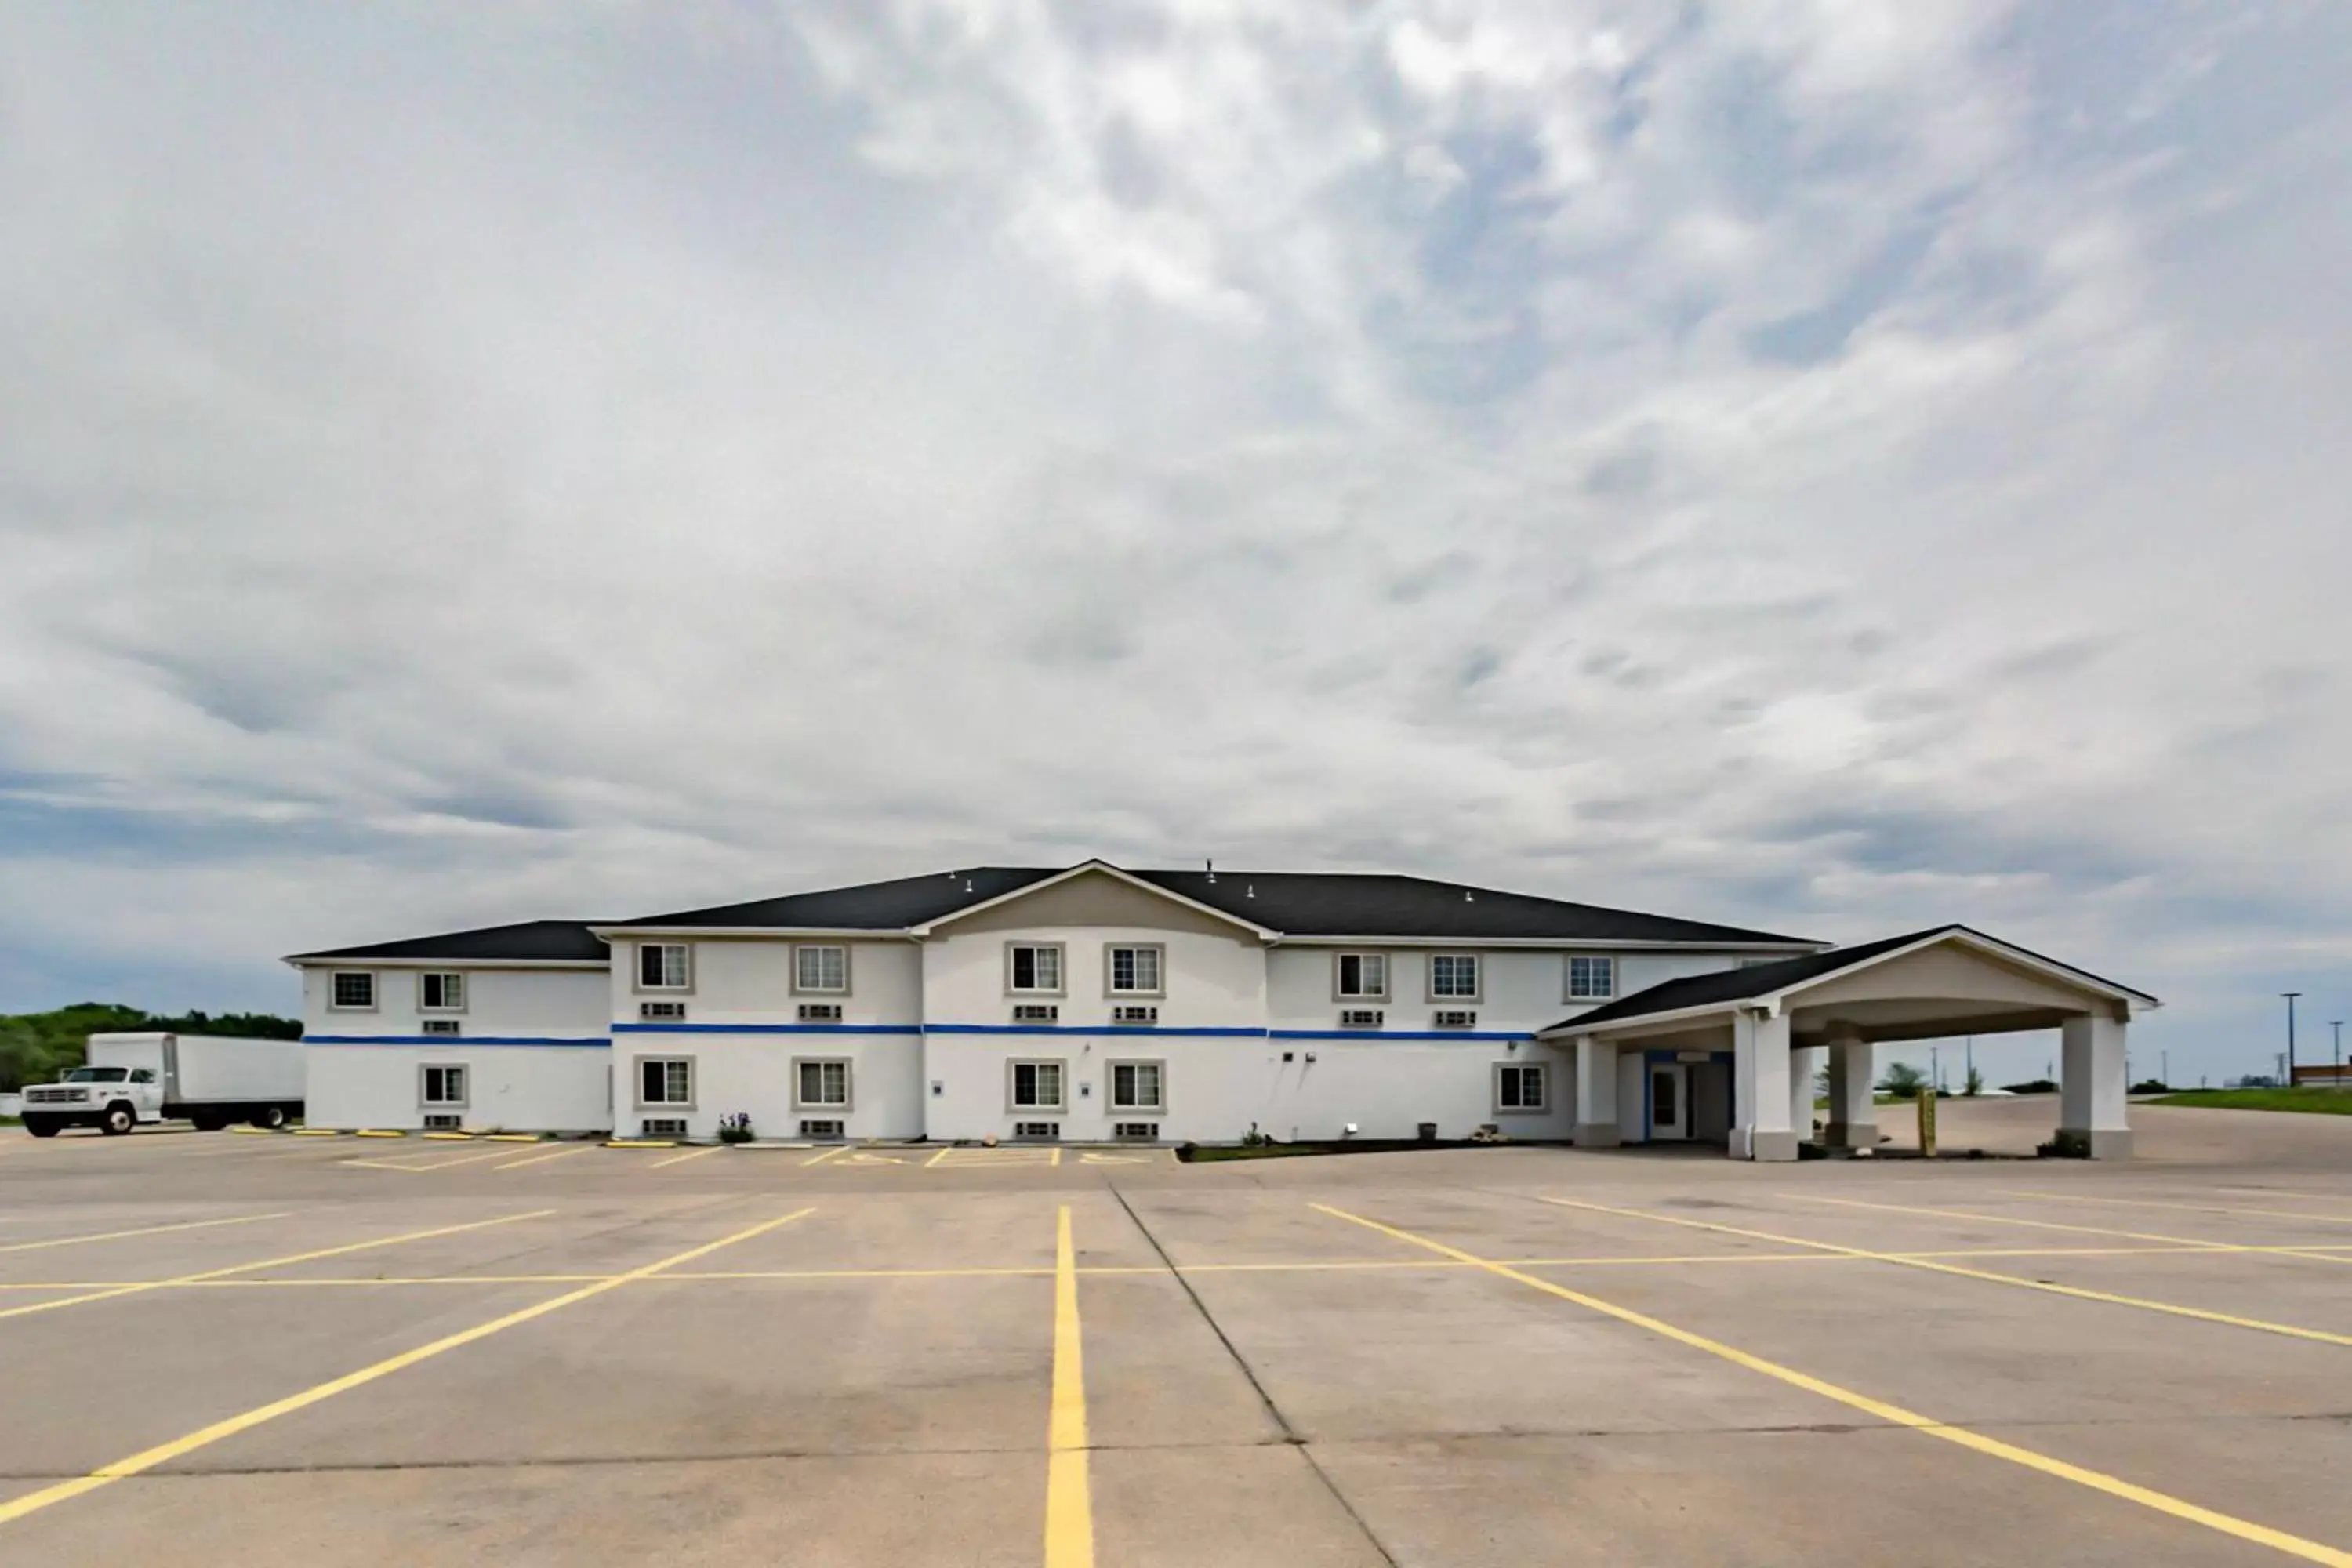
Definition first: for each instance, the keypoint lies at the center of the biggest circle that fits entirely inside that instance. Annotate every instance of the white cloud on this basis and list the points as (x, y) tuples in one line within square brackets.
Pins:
[(1831, 465)]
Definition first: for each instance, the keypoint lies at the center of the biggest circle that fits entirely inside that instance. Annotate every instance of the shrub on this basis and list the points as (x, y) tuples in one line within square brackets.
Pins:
[(2066, 1146), (735, 1127), (2032, 1086), (2151, 1085), (1902, 1080)]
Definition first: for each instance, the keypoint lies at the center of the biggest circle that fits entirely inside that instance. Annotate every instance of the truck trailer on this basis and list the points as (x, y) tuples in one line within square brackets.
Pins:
[(128, 1080)]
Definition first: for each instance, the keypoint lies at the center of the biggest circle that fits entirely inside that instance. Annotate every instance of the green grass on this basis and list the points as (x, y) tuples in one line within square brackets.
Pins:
[(2325, 1101)]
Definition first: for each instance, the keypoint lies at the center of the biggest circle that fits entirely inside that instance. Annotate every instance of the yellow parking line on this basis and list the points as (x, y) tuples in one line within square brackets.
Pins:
[(139, 1287), (144, 1231), (541, 1159), (2045, 1287), (1069, 1503), (2313, 1251), (162, 1453), (945, 1149), (2189, 1208), (1057, 1155), (834, 1152), (690, 1155), (1896, 1415)]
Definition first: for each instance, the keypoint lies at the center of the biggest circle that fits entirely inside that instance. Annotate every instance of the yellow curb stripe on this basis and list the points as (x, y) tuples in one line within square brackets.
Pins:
[(2047, 1288), (140, 1286), (1069, 1501), (162, 1453), (318, 1132), (510, 1138), (378, 1132), (1894, 1414), (144, 1231)]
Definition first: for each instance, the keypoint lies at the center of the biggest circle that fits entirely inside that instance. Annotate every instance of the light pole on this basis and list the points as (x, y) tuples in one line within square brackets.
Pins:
[(2290, 996), (1969, 1082), (2164, 1067), (2338, 1024)]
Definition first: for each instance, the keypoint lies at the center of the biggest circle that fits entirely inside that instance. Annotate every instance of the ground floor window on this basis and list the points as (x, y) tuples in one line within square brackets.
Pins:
[(1138, 1086), (821, 1083), (445, 1085), (666, 1080), (1521, 1086), (1035, 1086)]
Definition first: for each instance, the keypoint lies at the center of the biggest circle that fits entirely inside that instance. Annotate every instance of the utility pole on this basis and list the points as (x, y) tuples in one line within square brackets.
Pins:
[(2164, 1067), (1935, 1071), (1971, 1076), (2338, 1024), (2290, 996)]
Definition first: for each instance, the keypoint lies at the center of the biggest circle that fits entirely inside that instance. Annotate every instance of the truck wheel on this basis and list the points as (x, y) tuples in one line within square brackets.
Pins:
[(272, 1117), (208, 1123), (119, 1119), (40, 1127)]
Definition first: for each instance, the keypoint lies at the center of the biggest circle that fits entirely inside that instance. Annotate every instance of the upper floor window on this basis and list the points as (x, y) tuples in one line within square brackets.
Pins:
[(664, 966), (441, 993), (1033, 967), (821, 970), (1592, 978), (1361, 977), (1134, 969), (1454, 977), (353, 989)]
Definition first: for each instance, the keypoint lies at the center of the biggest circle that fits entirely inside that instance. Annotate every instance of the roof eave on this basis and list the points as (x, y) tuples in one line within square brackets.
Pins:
[(926, 928)]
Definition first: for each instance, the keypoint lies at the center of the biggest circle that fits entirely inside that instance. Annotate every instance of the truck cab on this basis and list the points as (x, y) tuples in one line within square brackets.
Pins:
[(112, 1098)]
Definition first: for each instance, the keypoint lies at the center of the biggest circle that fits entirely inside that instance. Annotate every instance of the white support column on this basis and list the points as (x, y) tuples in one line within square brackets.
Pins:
[(1804, 1063), (1596, 1093), (1759, 1119), (1854, 1112), (2091, 1084)]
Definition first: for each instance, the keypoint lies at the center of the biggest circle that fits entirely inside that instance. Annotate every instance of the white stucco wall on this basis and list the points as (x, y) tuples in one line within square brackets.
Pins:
[(533, 1088), (528, 1003), (744, 980), (1209, 981), (754, 1073)]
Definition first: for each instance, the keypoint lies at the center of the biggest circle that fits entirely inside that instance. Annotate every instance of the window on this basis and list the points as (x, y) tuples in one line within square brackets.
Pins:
[(1361, 977), (353, 990), (1454, 975), (443, 1085), (664, 966), (1593, 978), (441, 993), (1035, 1086), (1520, 1087), (664, 1080), (656, 1011), (142, 1074), (1138, 1086), (441, 1026), (1034, 966), (821, 1083), (1134, 971), (821, 970)]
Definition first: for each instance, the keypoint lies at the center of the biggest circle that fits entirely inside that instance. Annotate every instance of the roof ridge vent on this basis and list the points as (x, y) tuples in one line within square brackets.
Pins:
[(1469, 897), (1249, 890)]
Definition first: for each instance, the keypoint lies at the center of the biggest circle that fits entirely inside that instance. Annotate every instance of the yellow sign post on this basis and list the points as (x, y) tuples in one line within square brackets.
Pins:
[(1928, 1122)]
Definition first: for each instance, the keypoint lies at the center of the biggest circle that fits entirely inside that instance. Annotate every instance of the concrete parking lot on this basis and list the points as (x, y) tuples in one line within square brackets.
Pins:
[(329, 1350)]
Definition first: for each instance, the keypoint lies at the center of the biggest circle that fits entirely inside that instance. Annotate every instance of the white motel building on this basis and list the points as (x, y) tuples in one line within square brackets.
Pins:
[(1096, 1004)]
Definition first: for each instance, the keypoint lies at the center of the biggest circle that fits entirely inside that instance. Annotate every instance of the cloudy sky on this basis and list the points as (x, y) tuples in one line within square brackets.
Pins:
[(1836, 465)]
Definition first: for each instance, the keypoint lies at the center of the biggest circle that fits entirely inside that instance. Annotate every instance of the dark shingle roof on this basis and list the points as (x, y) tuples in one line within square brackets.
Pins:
[(869, 905), (1296, 903), (1347, 904), (1739, 984), (532, 941)]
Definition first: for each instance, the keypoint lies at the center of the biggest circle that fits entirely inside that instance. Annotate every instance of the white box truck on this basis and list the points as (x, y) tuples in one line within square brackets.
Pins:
[(209, 1080)]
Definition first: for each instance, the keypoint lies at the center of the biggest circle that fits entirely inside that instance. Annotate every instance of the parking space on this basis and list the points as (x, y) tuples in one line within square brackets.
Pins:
[(343, 1350)]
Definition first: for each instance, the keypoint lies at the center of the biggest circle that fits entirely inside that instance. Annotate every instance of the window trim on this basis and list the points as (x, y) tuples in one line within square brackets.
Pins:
[(1061, 970), (1569, 993), (464, 1082), (1388, 980), (375, 991), (1110, 1085), (1543, 1078), (1159, 963), (1013, 1105), (464, 992), (848, 1101), (840, 947), (637, 1083), (1429, 978), (638, 971)]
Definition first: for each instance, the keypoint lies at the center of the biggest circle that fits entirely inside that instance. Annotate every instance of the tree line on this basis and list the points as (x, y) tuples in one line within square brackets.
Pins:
[(35, 1047)]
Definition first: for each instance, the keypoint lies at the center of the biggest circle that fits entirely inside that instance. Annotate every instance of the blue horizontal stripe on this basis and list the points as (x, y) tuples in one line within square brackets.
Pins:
[(1397, 1035), (1082, 1029), (767, 1028), (597, 1043)]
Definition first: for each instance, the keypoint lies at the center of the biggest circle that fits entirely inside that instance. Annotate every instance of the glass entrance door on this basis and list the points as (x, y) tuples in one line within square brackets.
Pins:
[(1669, 1101)]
